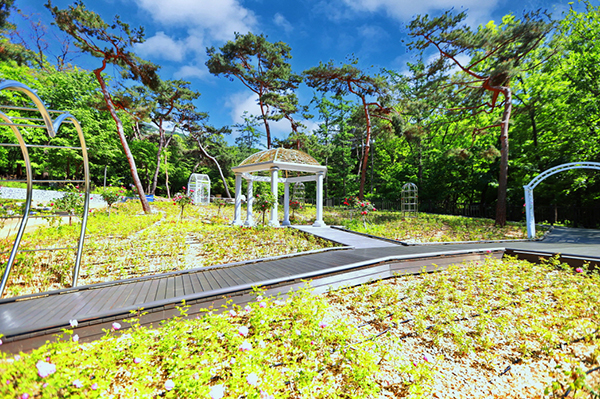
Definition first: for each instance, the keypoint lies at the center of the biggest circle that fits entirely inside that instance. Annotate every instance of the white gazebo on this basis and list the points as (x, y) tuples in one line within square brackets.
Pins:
[(274, 161)]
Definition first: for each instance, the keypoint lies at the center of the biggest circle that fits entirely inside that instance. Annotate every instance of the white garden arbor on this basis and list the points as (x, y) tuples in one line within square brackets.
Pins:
[(199, 188), (538, 179), (302, 166)]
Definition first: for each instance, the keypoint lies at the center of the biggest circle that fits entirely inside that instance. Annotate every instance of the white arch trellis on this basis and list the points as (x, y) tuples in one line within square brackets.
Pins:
[(538, 179)]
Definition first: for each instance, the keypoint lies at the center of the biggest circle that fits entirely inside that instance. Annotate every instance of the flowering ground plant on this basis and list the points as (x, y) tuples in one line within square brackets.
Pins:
[(295, 206), (263, 203), (362, 207), (111, 195), (182, 200), (71, 202), (268, 348)]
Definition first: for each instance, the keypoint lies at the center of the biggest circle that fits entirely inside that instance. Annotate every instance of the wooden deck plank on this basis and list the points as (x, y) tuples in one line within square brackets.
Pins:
[(234, 275), (161, 289), (152, 291), (196, 285), (61, 308), (170, 292), (211, 280), (226, 280), (39, 309), (187, 284), (245, 274), (98, 298), (131, 299), (143, 292), (258, 271), (108, 297), (120, 297), (219, 280), (201, 277), (180, 283), (78, 304)]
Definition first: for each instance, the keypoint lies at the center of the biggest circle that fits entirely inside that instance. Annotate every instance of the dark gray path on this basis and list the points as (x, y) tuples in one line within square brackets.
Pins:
[(100, 304)]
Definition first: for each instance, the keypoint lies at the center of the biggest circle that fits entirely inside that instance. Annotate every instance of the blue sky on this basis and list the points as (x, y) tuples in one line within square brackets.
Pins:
[(178, 32)]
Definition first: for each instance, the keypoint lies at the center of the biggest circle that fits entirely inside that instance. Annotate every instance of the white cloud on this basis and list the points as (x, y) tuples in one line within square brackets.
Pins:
[(244, 101), (220, 19), (405, 10), (163, 47), (372, 32), (283, 23), (191, 71)]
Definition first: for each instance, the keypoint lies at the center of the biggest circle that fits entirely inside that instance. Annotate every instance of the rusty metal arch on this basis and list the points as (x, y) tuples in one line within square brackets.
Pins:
[(538, 179), (51, 126)]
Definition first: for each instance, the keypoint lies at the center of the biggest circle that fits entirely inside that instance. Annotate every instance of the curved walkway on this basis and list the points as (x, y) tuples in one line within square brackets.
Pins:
[(27, 322)]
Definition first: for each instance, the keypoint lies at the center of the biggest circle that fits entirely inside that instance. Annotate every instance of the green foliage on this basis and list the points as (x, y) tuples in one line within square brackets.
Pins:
[(264, 70), (271, 348), (182, 200), (425, 227), (71, 202), (263, 202), (111, 195), (477, 317), (127, 244)]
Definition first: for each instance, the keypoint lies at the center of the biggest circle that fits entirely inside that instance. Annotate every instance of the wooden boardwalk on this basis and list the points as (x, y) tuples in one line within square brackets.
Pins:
[(27, 322)]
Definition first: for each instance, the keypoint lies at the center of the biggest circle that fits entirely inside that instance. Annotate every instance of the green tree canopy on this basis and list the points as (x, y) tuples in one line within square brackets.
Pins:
[(263, 68)]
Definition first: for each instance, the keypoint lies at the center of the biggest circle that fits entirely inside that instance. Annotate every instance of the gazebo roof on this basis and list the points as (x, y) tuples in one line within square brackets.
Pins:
[(282, 158)]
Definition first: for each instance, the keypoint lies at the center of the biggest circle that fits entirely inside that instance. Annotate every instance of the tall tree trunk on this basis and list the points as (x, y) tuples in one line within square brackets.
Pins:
[(503, 176), (266, 121), (167, 175), (365, 161), (216, 163), (121, 132), (162, 144)]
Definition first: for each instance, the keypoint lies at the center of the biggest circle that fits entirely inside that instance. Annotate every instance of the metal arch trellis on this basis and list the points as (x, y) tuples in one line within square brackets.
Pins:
[(199, 188), (538, 179), (52, 127), (299, 193), (410, 199)]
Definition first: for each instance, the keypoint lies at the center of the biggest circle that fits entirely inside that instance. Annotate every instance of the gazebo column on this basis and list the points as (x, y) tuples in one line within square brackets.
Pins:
[(249, 201), (319, 220), (286, 205), (237, 216), (274, 219)]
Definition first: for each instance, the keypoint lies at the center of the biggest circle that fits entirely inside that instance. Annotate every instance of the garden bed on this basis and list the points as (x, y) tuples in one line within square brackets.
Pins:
[(128, 244), (498, 328)]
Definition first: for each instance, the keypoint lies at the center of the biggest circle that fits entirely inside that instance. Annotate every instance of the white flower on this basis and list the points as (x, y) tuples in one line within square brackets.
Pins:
[(243, 331), (123, 337), (245, 346), (116, 326), (252, 379), (73, 323), (217, 392), (45, 369), (169, 384), (75, 338)]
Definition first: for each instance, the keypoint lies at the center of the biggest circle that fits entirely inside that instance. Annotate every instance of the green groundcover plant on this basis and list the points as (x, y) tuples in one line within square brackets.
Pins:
[(270, 348), (399, 337)]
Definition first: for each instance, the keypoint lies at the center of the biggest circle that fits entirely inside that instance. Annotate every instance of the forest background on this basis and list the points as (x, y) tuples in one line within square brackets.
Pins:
[(435, 125)]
